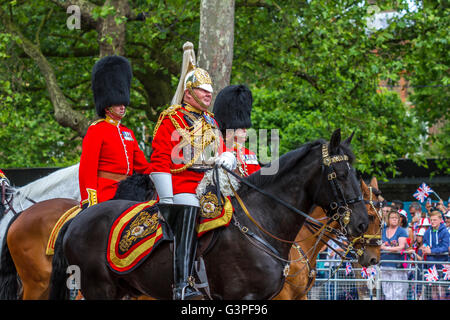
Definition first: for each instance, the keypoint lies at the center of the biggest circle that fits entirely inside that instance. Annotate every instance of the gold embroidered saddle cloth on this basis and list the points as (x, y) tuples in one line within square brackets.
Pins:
[(68, 215), (138, 231)]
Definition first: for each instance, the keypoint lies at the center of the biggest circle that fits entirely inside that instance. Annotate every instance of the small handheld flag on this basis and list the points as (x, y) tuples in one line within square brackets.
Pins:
[(348, 268), (446, 271), (422, 192), (431, 274), (364, 272)]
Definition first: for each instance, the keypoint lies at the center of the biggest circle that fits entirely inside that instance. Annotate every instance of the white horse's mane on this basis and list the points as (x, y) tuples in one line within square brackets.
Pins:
[(62, 183)]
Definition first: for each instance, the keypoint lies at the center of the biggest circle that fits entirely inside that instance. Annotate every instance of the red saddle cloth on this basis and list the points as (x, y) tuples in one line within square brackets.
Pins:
[(136, 232)]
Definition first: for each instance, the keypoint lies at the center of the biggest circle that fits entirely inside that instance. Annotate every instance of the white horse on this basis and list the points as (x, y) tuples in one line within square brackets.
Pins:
[(62, 183)]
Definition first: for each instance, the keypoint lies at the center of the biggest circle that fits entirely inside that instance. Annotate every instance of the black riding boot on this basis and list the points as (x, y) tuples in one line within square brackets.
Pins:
[(182, 221)]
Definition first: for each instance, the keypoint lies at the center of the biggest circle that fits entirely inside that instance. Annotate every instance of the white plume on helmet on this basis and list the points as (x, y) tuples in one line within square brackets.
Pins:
[(191, 73)]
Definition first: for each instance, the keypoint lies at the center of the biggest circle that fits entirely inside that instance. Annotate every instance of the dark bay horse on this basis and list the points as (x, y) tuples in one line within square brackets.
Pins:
[(302, 270), (318, 173), (24, 249)]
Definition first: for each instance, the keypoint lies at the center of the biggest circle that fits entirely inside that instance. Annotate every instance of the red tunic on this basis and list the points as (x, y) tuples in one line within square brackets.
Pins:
[(112, 147), (167, 155), (2, 175), (247, 161)]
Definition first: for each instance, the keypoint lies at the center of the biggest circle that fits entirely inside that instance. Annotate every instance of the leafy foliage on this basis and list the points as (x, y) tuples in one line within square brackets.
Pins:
[(313, 66)]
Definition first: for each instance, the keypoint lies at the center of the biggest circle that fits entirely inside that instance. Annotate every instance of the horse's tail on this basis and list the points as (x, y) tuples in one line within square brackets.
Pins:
[(9, 282), (58, 280)]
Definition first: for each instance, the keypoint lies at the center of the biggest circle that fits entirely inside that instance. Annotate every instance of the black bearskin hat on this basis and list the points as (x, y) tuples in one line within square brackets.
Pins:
[(111, 82), (233, 107)]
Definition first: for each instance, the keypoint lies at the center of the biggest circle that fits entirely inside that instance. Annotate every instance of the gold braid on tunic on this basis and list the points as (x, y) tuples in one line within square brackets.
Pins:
[(190, 135)]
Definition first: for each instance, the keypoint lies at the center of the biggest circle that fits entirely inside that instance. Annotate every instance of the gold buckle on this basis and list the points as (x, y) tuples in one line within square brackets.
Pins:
[(332, 176)]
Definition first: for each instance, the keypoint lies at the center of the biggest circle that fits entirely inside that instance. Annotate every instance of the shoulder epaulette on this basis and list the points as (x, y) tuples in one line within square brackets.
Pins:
[(97, 121), (169, 111)]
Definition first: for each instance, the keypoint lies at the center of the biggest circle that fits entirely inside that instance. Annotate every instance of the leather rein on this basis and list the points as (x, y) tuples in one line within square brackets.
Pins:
[(339, 207)]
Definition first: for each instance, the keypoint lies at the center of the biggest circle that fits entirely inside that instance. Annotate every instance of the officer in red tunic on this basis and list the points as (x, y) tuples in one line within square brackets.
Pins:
[(186, 143), (110, 150), (232, 111)]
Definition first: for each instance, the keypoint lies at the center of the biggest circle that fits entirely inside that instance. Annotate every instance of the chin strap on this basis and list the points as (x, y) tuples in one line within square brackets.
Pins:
[(196, 98), (114, 115)]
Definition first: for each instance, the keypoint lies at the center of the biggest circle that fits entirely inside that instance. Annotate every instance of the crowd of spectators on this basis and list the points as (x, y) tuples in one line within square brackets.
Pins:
[(408, 236), (423, 237)]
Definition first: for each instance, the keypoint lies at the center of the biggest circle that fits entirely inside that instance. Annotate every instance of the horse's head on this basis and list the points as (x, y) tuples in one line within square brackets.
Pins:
[(368, 245), (338, 191)]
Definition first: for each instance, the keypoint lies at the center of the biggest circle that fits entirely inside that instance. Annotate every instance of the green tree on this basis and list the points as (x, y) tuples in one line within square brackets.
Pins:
[(313, 66)]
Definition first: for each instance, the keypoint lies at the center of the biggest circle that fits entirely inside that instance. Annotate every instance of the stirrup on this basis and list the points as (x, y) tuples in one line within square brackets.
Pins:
[(187, 293)]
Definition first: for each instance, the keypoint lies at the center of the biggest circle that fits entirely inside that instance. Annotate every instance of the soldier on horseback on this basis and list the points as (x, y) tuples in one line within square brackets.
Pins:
[(110, 150), (232, 111), (186, 143)]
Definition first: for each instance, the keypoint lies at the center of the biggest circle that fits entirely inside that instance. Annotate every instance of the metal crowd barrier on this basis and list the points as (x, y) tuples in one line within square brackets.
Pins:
[(348, 283)]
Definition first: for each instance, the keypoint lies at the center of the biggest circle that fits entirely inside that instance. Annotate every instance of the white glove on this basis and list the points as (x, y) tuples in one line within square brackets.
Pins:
[(226, 160), (163, 185)]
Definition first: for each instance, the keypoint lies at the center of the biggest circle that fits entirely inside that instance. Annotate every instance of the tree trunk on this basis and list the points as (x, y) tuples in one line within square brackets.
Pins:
[(64, 114), (215, 50), (112, 40), (111, 35)]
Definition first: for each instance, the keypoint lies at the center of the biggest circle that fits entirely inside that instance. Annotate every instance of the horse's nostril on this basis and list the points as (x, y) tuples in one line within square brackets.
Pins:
[(373, 261), (362, 227)]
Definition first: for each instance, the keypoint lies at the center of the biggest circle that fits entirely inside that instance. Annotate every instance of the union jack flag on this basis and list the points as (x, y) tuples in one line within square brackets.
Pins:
[(367, 272), (431, 274), (422, 192), (348, 268), (446, 271), (364, 272)]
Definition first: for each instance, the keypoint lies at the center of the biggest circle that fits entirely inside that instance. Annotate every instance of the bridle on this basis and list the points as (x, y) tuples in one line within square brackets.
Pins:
[(364, 240), (368, 239), (338, 208), (6, 201)]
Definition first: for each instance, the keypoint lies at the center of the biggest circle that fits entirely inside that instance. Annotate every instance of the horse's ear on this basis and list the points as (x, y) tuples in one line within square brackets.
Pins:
[(349, 139), (364, 187), (335, 141), (374, 183)]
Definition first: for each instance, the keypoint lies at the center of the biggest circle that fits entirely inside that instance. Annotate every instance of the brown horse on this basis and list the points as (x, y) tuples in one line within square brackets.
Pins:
[(24, 252), (26, 244), (302, 273)]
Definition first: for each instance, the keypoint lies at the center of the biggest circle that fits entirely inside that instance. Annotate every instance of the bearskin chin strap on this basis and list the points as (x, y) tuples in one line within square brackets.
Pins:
[(196, 98), (110, 112)]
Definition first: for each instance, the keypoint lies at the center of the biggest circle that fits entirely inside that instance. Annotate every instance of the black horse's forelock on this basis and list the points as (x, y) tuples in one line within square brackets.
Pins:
[(291, 158)]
